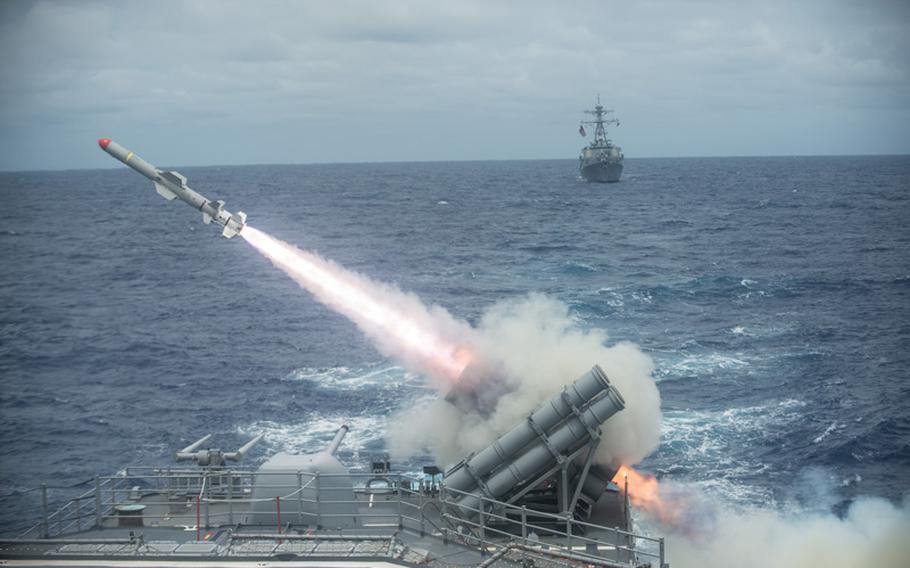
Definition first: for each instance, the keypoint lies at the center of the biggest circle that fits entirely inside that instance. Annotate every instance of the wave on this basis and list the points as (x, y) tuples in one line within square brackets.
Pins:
[(716, 450)]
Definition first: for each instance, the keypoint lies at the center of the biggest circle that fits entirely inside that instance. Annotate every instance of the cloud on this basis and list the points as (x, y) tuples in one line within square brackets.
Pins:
[(519, 73)]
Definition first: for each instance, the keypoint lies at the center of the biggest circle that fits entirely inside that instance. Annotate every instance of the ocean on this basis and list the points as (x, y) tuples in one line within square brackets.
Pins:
[(773, 295)]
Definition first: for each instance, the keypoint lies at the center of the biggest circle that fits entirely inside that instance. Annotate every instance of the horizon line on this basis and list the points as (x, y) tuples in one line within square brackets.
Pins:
[(367, 162)]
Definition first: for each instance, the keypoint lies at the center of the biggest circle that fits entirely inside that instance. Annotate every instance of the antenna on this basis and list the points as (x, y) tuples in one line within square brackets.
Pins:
[(600, 133)]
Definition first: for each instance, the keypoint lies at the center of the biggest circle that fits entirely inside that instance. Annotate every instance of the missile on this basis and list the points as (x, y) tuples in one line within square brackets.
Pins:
[(172, 185)]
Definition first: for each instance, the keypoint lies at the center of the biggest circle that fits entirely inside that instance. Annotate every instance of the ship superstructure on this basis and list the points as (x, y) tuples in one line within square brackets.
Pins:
[(601, 160)]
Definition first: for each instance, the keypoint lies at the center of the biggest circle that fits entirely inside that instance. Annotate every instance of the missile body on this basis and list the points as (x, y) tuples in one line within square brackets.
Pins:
[(172, 185)]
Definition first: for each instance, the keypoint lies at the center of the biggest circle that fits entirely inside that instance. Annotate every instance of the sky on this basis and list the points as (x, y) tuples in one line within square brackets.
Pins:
[(203, 82)]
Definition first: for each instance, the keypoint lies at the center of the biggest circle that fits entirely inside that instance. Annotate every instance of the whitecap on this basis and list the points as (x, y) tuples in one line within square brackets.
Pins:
[(614, 298), (832, 428), (643, 297), (315, 433), (582, 266), (705, 364), (357, 378), (707, 438)]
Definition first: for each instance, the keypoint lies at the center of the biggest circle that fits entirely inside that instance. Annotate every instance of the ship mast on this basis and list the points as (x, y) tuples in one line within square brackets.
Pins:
[(600, 133)]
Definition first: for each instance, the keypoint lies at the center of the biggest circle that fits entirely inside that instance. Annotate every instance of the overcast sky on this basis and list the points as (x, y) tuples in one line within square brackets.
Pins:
[(220, 82)]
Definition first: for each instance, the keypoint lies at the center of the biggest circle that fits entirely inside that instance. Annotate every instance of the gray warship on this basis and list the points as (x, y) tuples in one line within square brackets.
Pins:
[(601, 160), (533, 497)]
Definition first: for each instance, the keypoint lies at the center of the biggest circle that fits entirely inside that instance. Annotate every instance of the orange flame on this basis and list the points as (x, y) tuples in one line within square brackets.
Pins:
[(645, 493)]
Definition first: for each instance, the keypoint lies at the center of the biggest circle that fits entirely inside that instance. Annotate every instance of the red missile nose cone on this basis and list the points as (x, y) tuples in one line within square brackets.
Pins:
[(103, 142)]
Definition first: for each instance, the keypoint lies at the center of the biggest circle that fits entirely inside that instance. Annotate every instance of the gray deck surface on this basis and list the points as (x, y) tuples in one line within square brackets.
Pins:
[(168, 535)]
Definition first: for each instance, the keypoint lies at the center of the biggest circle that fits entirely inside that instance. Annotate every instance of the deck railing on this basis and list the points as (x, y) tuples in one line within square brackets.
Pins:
[(209, 499), (530, 528), (223, 497)]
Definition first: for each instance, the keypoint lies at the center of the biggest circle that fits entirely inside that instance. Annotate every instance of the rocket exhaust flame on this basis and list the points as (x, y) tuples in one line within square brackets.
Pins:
[(423, 338), (671, 509)]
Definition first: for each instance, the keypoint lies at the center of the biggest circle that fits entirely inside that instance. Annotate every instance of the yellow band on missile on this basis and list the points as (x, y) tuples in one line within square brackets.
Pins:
[(128, 156)]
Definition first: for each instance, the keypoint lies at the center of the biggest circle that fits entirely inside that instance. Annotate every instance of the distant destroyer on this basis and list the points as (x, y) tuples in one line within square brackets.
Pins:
[(601, 160)]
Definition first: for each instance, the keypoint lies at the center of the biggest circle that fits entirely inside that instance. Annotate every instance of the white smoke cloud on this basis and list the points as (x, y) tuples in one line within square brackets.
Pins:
[(802, 532), (532, 342), (874, 532), (541, 349)]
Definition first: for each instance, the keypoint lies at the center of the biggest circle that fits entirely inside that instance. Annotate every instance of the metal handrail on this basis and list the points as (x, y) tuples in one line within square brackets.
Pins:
[(234, 488), (559, 519)]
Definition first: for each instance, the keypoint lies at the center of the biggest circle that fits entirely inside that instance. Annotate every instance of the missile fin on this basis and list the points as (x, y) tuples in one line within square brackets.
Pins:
[(175, 177), (164, 192), (206, 218), (235, 225)]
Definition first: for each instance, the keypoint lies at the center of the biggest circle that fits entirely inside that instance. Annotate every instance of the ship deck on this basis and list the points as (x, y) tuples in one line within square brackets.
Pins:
[(125, 522)]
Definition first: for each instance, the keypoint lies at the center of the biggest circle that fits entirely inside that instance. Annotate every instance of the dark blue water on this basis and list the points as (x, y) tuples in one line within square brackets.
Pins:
[(772, 293)]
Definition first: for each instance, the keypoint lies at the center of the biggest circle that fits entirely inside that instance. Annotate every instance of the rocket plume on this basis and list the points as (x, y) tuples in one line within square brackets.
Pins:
[(671, 509), (429, 340), (707, 534), (533, 341)]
